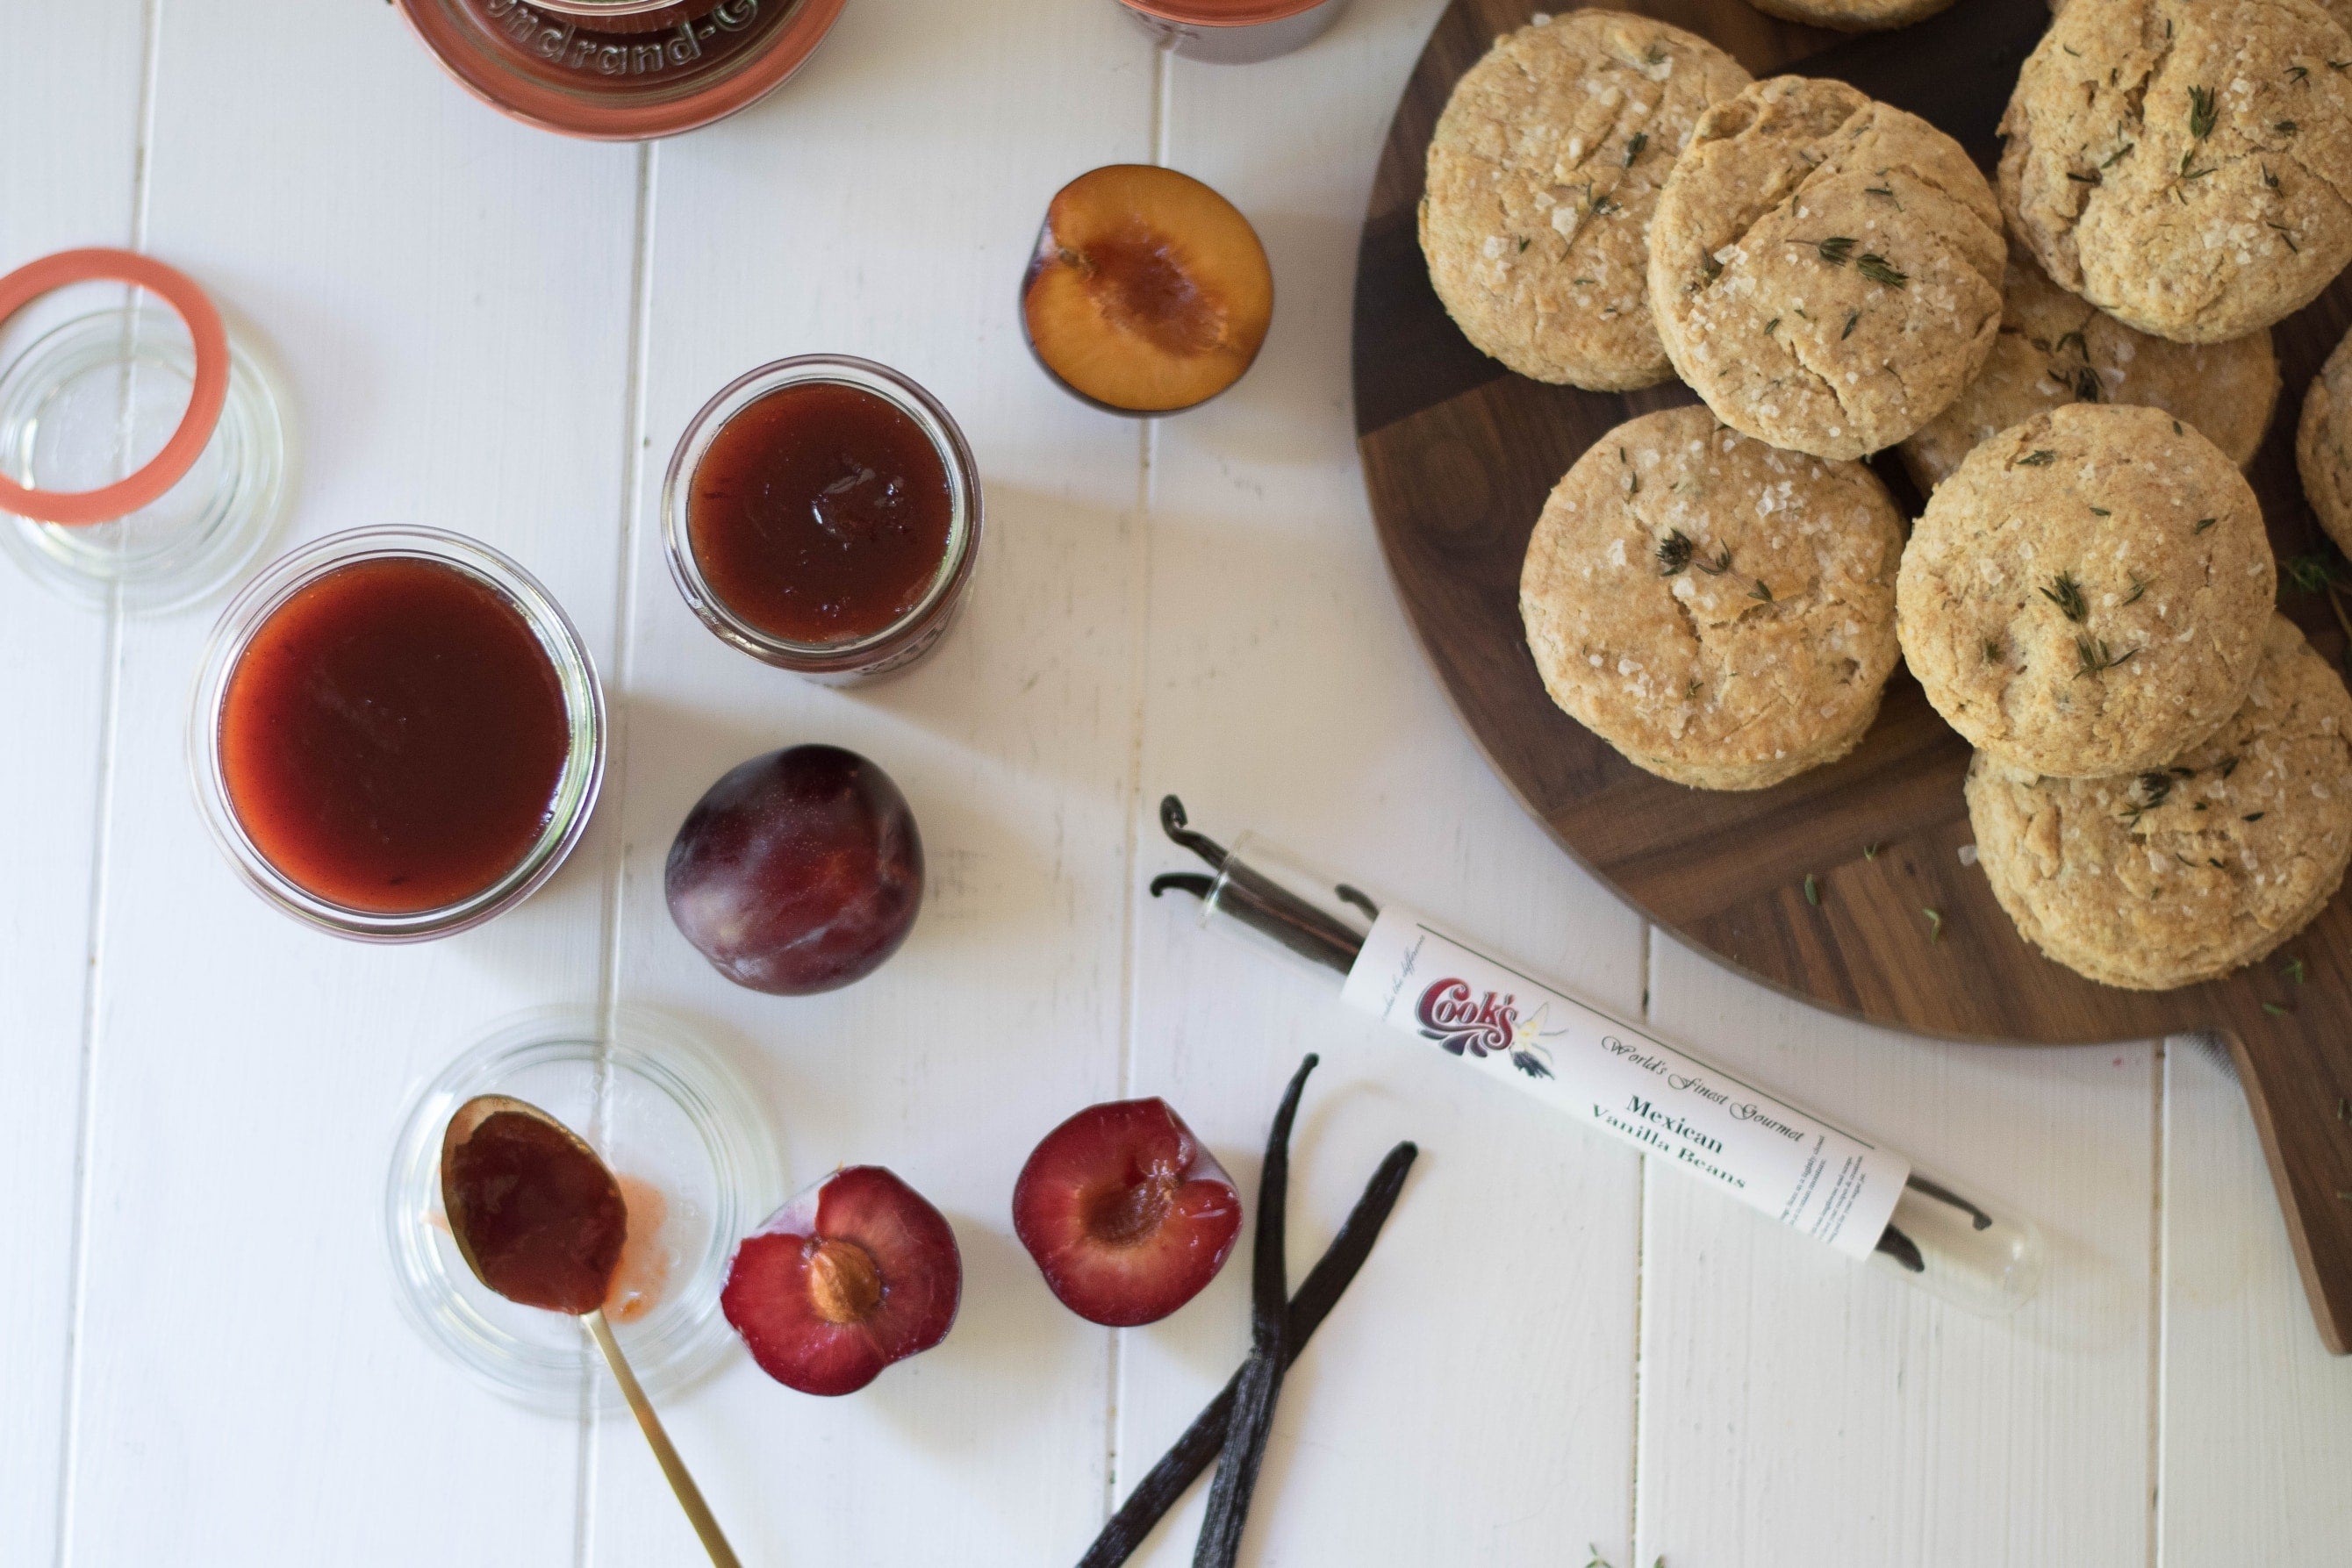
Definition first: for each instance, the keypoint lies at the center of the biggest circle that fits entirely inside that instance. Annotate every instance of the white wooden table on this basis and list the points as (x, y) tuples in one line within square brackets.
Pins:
[(499, 332)]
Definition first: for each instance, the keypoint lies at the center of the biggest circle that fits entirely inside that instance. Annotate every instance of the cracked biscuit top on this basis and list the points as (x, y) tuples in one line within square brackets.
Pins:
[(2086, 593), (2056, 347), (1542, 176), (2184, 164), (1825, 269), (1720, 611), (2182, 873)]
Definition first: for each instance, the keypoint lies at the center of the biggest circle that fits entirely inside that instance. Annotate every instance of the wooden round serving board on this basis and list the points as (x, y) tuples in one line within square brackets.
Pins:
[(1458, 455)]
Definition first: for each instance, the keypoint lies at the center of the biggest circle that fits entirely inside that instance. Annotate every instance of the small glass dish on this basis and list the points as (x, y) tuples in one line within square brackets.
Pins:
[(912, 635), (667, 1116), (96, 398), (573, 801)]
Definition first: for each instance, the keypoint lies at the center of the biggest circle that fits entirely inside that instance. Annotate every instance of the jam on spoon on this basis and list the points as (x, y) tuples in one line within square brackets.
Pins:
[(540, 1220)]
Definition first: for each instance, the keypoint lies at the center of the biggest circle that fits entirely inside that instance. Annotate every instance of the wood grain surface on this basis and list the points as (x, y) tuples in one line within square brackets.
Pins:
[(1458, 455)]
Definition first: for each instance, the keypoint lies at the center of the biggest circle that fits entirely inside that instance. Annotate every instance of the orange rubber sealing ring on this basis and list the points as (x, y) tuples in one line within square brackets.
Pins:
[(178, 290)]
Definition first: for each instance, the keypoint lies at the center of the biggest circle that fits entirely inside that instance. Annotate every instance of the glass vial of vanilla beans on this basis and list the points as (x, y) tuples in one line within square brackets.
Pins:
[(1849, 1192)]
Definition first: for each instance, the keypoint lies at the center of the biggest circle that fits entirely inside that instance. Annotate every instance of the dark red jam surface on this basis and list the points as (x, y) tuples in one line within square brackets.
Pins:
[(820, 513), (543, 1221), (391, 737)]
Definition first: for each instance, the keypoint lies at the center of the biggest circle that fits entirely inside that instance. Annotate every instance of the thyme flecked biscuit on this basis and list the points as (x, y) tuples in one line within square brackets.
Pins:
[(1542, 176), (2183, 873), (2323, 444), (2185, 164), (2086, 594), (1825, 270), (2055, 347), (1719, 610)]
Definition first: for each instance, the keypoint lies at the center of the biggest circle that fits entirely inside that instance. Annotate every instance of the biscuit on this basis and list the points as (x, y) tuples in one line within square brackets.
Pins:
[(2183, 873), (1719, 612), (1856, 15), (1825, 270), (1542, 176), (2086, 593), (2323, 444), (2179, 164), (2055, 347)]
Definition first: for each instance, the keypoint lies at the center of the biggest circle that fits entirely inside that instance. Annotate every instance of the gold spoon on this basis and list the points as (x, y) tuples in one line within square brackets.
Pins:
[(553, 1242)]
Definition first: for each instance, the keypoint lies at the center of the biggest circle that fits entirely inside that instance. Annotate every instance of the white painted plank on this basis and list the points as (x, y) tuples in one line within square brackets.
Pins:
[(1471, 1400), (883, 204), (2257, 1416), (447, 295), (81, 109), (1799, 1408)]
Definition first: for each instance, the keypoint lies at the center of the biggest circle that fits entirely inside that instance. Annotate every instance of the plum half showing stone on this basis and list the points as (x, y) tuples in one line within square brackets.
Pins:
[(856, 1272), (798, 871), (1127, 1215)]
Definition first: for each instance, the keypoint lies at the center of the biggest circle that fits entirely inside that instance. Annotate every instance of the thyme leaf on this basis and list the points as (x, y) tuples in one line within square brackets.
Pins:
[(2040, 456), (1879, 270), (1812, 891), (2200, 112), (2095, 657), (2067, 593), (1851, 317), (1633, 146), (1935, 923), (1674, 552)]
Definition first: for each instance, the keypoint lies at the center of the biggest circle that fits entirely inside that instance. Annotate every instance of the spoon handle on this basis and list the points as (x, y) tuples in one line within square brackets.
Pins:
[(689, 1496)]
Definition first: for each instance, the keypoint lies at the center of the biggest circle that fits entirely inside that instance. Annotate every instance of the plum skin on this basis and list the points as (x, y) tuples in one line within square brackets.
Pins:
[(798, 871)]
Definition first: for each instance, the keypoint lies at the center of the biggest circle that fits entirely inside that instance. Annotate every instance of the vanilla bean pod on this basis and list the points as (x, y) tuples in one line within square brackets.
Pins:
[(1261, 1384), (1164, 1485)]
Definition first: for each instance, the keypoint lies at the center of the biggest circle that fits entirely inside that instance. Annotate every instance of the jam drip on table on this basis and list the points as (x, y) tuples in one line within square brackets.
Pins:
[(820, 513), (393, 736)]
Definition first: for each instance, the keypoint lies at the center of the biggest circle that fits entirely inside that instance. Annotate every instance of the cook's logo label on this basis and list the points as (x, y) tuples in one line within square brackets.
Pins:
[(1451, 1017)]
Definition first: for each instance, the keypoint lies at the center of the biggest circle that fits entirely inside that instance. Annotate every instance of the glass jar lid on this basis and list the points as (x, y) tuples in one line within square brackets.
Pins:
[(142, 453)]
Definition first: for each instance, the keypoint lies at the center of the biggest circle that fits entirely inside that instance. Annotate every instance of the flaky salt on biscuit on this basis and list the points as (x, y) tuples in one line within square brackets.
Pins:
[(1719, 612), (2183, 873), (2086, 593), (1825, 269), (2323, 444), (2182, 164), (1543, 175), (2055, 347)]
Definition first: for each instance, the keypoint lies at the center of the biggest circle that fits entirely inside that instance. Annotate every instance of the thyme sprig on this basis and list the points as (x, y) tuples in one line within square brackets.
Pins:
[(2095, 657), (2067, 593)]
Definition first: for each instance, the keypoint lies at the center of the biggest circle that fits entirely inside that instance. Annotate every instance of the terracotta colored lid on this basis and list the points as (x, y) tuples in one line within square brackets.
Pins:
[(623, 80), (205, 398)]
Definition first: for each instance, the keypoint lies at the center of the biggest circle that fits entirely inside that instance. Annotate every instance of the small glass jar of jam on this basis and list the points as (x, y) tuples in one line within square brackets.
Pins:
[(823, 514), (1234, 32), (397, 734)]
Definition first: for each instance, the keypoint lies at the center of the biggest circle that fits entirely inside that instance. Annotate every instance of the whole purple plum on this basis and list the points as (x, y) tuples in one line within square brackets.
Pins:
[(799, 872)]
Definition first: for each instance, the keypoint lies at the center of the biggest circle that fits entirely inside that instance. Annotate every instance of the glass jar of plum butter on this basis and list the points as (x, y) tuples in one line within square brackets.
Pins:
[(1234, 32), (397, 734), (619, 70), (822, 513)]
